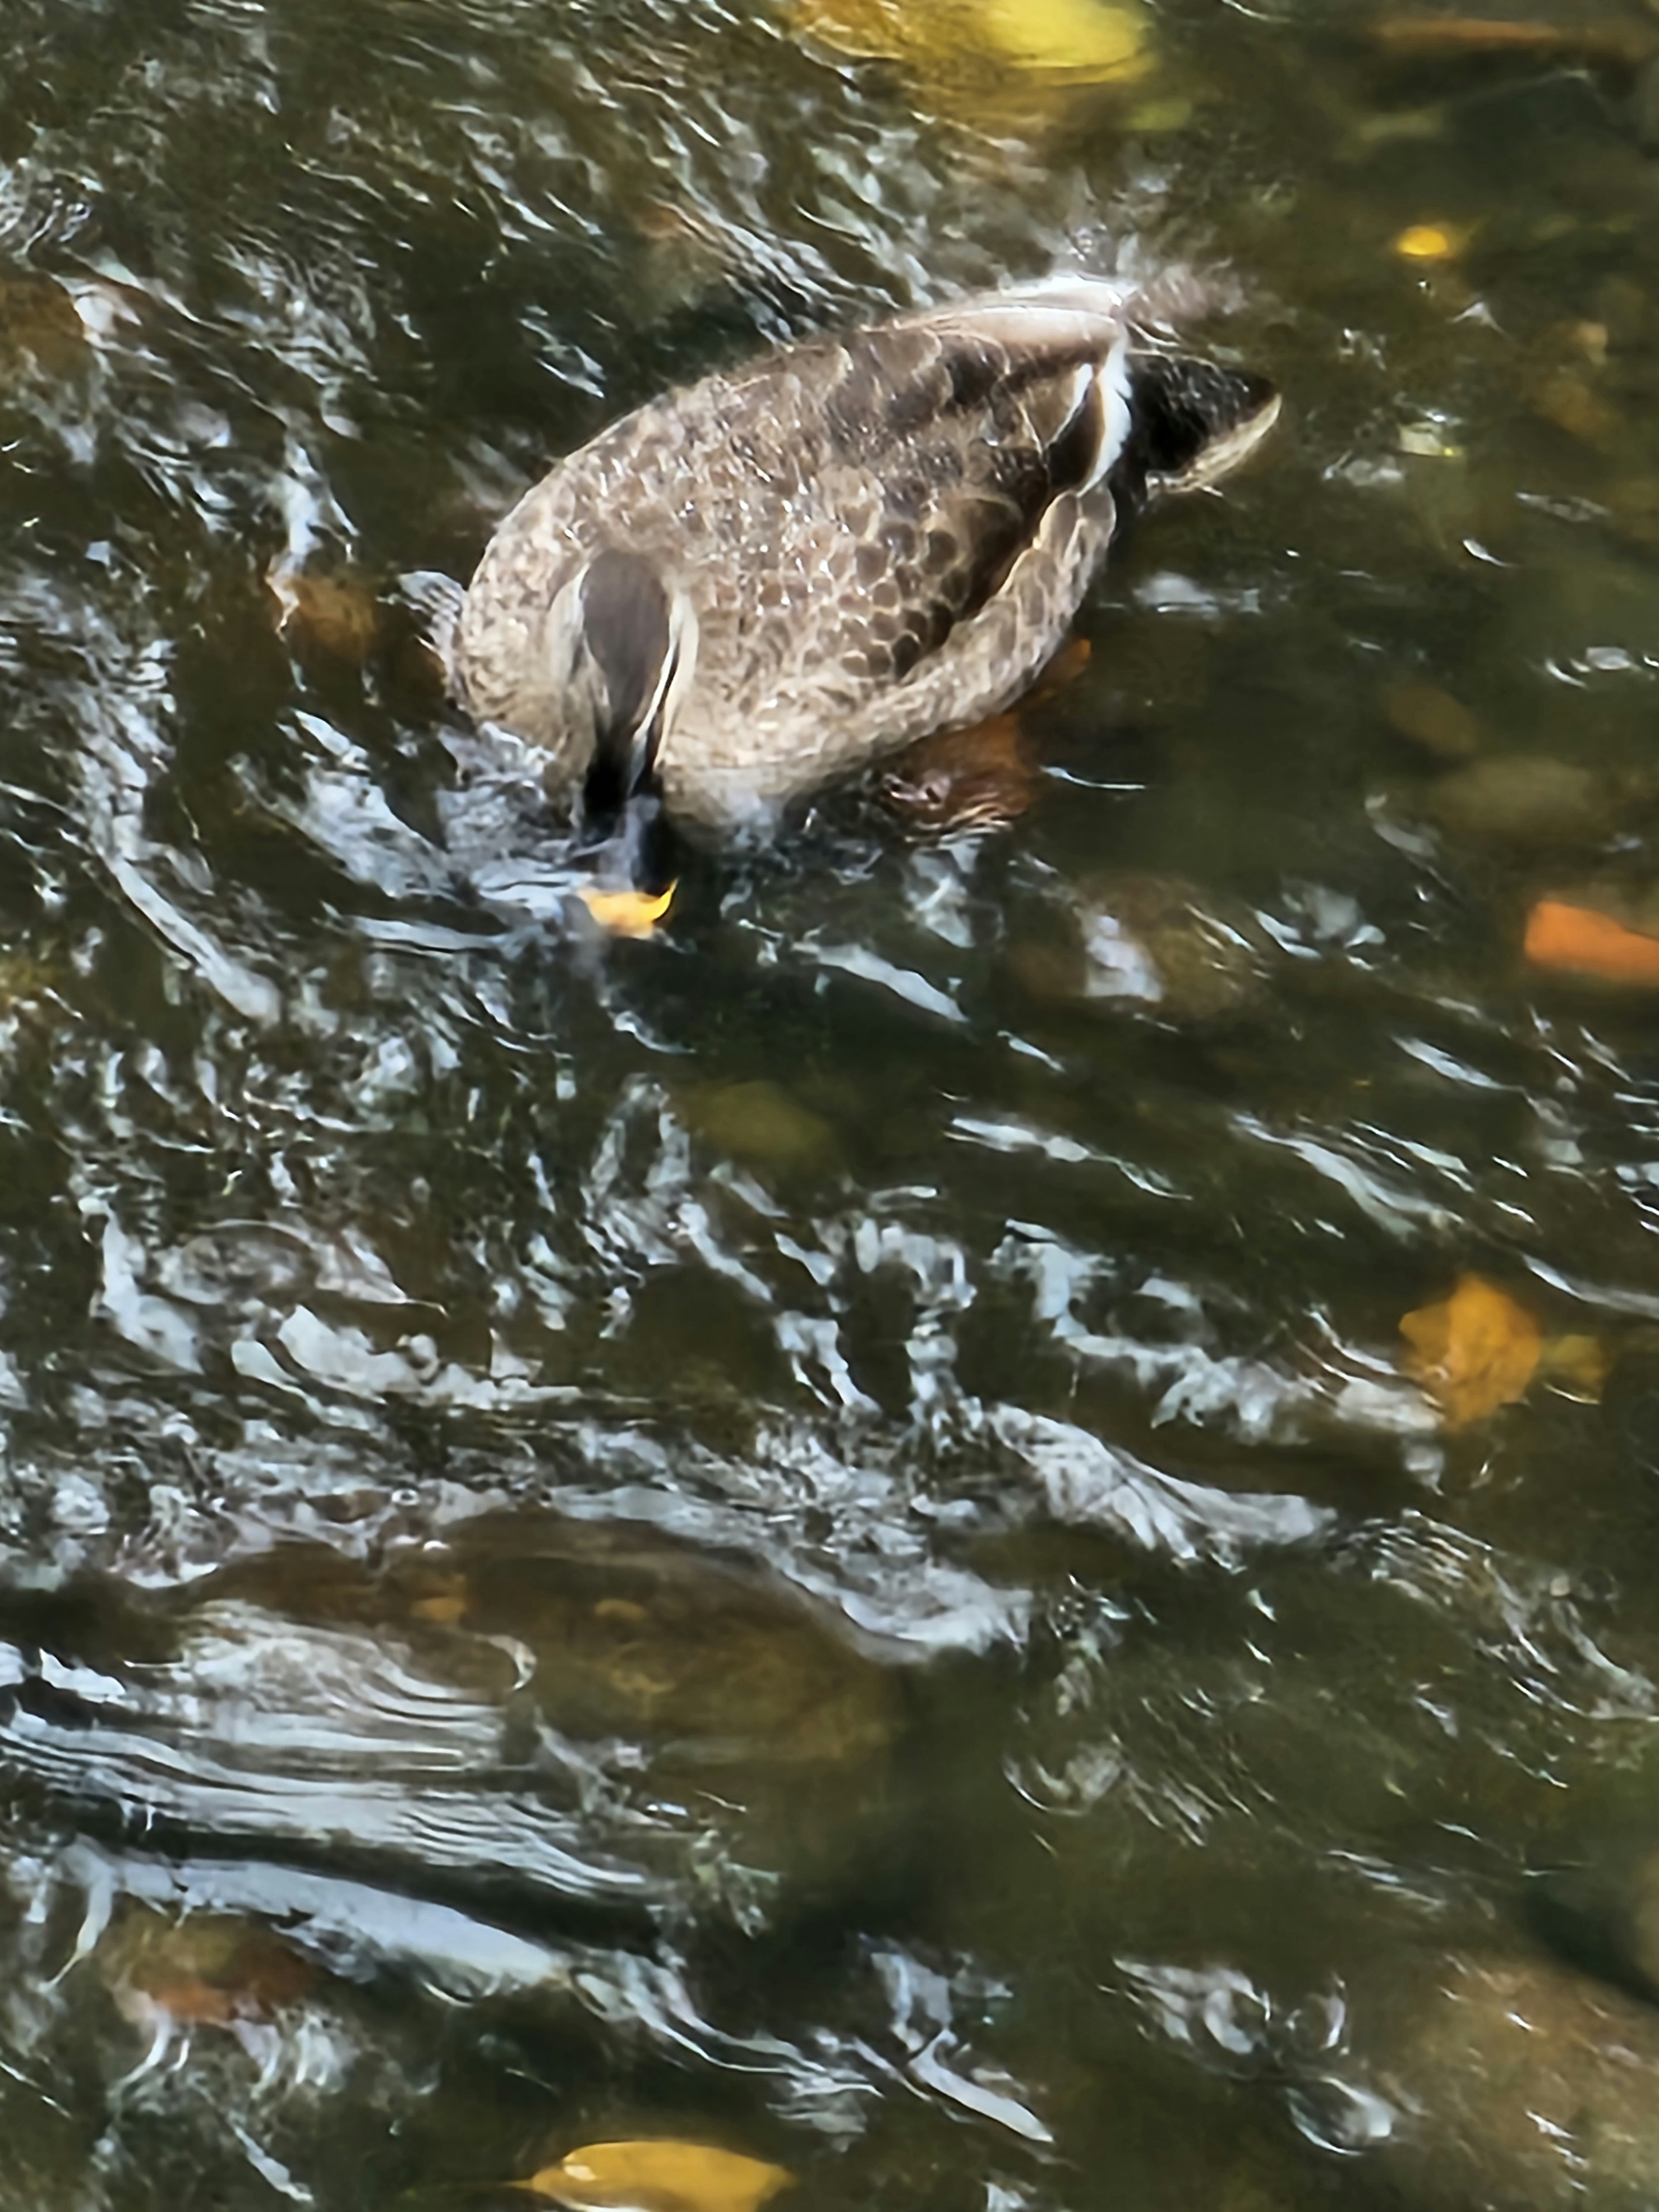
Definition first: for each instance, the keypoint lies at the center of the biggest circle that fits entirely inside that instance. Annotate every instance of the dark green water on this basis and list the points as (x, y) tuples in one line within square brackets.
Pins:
[(808, 1534)]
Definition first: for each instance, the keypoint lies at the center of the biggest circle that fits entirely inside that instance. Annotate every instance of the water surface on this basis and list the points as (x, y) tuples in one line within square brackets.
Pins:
[(810, 1534)]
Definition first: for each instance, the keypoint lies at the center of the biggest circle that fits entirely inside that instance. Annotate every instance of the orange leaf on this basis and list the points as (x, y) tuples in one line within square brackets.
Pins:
[(1589, 944), (1476, 1351), (1067, 664)]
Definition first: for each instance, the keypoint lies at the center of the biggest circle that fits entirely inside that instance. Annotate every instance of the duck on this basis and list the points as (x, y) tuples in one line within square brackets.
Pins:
[(762, 582)]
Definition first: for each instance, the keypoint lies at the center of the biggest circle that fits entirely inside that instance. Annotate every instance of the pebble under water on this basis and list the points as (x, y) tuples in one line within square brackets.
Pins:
[(819, 1535)]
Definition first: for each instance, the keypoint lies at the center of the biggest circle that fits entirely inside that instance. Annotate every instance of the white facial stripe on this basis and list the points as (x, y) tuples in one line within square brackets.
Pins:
[(1112, 375), (678, 668), (1084, 382), (666, 674)]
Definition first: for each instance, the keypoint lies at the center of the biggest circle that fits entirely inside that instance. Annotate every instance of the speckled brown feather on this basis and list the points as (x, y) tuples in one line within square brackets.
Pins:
[(877, 533)]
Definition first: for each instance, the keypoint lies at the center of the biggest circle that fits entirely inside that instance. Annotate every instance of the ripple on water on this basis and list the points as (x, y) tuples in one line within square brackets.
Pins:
[(811, 1533)]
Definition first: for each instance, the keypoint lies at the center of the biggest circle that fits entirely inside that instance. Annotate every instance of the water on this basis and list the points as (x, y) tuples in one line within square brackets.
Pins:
[(810, 1534)]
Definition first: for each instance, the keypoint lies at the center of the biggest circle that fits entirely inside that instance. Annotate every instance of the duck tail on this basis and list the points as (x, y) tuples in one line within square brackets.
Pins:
[(1191, 423), (1073, 308)]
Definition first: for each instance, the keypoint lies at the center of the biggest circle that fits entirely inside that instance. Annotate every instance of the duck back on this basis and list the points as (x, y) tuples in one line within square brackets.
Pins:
[(868, 536)]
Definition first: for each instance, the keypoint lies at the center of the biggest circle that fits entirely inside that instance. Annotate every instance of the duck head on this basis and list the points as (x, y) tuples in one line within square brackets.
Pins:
[(619, 646)]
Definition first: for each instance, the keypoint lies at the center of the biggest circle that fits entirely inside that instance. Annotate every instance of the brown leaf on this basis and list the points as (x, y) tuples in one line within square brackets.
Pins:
[(337, 615), (977, 778), (661, 2176), (1433, 37), (209, 1972), (1067, 664), (1476, 1351)]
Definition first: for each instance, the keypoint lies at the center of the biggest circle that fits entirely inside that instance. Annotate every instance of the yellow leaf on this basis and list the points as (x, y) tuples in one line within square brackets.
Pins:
[(448, 1607), (1094, 42), (1576, 1365), (1083, 37), (627, 913), (1476, 1351), (1430, 241), (659, 2177)]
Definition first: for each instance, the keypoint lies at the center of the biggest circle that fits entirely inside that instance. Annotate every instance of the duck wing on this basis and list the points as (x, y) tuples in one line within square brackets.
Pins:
[(869, 533), (947, 446)]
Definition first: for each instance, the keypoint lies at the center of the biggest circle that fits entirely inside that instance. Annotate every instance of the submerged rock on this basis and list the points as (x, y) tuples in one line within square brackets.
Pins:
[(633, 1633), (1153, 943), (1532, 799), (629, 1631), (1432, 719), (43, 328), (761, 1124), (1633, 1405), (721, 1701), (1603, 1911), (1506, 2083)]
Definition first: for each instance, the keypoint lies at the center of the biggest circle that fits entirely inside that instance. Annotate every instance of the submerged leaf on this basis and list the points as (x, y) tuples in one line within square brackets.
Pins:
[(760, 1122), (1578, 938), (333, 614), (1091, 41), (1082, 36), (209, 1970), (1435, 37), (1474, 1351), (1567, 400), (1067, 664), (977, 778), (1431, 241), (1577, 1365), (660, 2177)]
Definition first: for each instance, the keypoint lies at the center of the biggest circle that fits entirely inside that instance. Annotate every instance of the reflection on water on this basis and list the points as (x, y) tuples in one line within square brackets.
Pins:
[(816, 1534)]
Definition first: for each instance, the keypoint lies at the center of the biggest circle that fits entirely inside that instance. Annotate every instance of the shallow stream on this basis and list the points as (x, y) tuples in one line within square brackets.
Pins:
[(818, 1534)]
